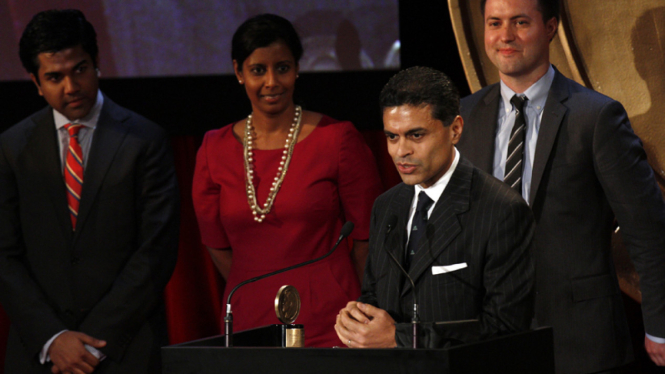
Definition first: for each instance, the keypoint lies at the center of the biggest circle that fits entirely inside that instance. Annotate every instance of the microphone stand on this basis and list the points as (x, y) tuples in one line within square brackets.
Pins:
[(415, 319), (228, 318)]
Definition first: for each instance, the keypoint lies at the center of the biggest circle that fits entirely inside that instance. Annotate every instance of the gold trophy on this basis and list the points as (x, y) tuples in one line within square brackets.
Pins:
[(287, 308)]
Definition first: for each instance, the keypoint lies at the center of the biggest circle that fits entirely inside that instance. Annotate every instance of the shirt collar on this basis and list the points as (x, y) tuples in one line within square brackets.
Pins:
[(436, 190), (89, 121), (537, 93)]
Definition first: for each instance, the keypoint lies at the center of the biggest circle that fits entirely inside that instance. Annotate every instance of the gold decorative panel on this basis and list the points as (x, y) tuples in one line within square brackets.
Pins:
[(614, 47)]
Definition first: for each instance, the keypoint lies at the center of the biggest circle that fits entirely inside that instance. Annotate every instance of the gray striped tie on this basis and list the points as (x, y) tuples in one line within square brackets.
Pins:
[(514, 161)]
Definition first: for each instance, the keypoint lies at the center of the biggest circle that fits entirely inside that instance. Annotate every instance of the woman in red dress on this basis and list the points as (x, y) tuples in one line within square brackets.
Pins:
[(274, 190)]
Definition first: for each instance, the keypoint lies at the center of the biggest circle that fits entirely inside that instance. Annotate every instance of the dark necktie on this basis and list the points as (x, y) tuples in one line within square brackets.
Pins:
[(74, 171), (417, 226), (515, 158)]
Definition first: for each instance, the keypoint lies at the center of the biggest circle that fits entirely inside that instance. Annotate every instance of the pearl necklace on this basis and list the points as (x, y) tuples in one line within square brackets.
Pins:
[(248, 144)]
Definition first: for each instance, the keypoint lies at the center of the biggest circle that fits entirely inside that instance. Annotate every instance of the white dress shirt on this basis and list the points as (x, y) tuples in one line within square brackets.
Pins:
[(434, 192), (86, 132), (537, 95)]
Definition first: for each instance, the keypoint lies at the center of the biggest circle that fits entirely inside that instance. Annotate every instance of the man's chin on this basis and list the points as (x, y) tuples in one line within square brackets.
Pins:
[(76, 114), (410, 179)]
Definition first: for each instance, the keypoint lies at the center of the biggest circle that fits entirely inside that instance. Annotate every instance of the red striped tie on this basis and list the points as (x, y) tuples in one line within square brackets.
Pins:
[(74, 171)]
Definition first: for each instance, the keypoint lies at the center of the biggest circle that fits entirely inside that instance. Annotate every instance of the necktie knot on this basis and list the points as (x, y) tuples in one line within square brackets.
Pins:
[(424, 203), (519, 102), (73, 129)]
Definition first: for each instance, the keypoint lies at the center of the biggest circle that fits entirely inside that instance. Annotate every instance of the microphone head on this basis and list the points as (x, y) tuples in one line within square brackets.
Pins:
[(392, 222), (346, 229)]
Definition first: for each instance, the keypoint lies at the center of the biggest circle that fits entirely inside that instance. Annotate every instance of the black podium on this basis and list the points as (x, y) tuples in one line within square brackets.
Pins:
[(527, 352)]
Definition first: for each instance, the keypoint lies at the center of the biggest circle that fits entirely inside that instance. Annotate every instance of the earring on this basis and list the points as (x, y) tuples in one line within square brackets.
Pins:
[(240, 81)]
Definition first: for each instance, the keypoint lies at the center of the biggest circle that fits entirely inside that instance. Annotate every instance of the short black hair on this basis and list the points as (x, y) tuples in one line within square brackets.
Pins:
[(53, 30), (548, 8), (421, 86), (261, 31)]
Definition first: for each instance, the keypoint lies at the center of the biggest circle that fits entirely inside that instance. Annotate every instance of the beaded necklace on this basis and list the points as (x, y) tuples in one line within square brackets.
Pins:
[(248, 144)]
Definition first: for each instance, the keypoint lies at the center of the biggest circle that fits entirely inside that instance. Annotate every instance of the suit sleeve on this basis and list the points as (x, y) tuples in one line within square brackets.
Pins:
[(29, 309), (137, 290), (632, 192)]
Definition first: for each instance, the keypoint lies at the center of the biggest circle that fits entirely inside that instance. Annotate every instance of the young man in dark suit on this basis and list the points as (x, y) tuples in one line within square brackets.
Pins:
[(88, 217), (463, 236), (573, 156)]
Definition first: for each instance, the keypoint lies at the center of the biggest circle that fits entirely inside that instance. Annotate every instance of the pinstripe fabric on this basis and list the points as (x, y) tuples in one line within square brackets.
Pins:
[(479, 221), (419, 220)]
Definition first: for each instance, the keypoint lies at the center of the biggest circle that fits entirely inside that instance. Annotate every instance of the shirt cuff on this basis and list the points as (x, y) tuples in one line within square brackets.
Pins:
[(43, 355), (655, 339), (95, 352)]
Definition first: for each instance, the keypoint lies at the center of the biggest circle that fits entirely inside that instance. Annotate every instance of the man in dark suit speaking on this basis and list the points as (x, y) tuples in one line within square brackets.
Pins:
[(573, 156), (88, 217), (463, 236)]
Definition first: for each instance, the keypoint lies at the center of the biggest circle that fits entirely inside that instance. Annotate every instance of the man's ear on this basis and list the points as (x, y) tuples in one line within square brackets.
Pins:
[(36, 82), (552, 27), (456, 129)]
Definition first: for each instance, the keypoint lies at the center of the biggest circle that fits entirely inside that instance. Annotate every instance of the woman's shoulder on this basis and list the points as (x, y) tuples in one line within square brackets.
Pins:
[(222, 134), (330, 126), (328, 121)]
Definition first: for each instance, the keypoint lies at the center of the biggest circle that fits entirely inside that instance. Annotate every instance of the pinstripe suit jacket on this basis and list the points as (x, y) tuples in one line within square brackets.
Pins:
[(478, 221)]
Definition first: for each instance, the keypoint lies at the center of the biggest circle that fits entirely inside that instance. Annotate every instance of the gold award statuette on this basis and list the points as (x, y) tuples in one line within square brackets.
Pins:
[(287, 308)]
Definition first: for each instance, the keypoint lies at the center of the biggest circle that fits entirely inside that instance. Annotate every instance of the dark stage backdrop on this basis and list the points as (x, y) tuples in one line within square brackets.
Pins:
[(187, 106)]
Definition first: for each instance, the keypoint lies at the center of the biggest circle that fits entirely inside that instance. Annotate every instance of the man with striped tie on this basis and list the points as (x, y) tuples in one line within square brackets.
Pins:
[(462, 236), (88, 216), (573, 156)]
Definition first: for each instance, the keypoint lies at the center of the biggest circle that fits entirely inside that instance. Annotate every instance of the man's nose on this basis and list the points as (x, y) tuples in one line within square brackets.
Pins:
[(404, 148), (507, 33), (71, 85)]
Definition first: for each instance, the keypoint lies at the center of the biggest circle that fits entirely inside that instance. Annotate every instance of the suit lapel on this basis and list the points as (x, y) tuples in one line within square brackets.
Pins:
[(482, 129), (549, 128), (109, 134), (399, 207), (49, 166), (443, 225)]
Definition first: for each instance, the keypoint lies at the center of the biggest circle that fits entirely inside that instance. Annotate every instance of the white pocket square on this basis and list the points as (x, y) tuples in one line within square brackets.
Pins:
[(447, 268)]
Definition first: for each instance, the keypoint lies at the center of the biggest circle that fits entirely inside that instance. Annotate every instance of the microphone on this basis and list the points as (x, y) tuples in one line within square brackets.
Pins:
[(415, 320), (228, 319)]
